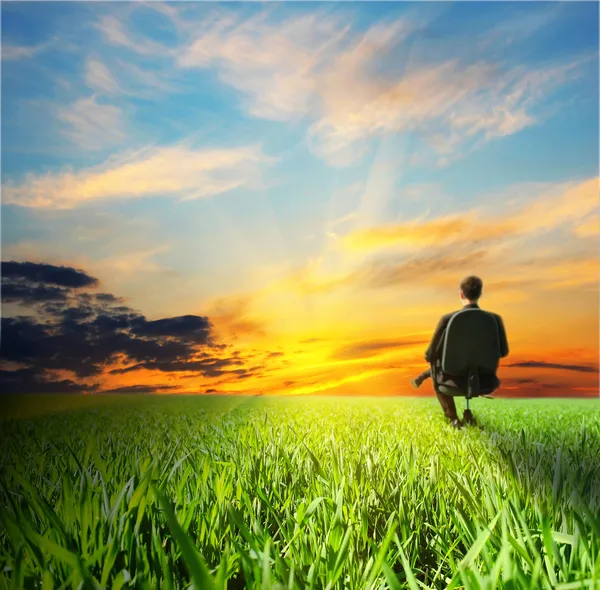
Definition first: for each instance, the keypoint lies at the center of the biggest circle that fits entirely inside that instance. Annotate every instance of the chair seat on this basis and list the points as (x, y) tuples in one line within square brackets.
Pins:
[(457, 387)]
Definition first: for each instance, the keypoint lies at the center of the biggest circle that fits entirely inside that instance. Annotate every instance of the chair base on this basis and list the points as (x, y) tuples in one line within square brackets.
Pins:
[(458, 392), (468, 418)]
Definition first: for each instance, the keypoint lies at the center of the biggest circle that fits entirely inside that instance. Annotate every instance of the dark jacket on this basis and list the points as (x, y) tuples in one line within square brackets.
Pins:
[(433, 352)]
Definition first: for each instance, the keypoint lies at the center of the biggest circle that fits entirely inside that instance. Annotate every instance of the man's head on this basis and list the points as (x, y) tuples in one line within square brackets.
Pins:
[(470, 289)]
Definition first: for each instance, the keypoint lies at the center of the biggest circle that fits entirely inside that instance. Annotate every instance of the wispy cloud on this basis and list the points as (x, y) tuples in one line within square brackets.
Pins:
[(454, 107), (16, 52), (117, 33), (291, 69), (128, 80), (92, 125), (315, 65), (570, 204), (127, 264), (488, 239), (547, 365), (98, 77), (177, 171), (370, 348), (146, 79), (233, 317), (273, 66)]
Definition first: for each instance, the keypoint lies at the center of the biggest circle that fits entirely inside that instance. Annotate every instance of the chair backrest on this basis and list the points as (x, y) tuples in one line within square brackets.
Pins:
[(471, 342)]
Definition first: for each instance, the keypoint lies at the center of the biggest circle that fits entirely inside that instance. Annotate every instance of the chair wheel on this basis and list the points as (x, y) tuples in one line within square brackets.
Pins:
[(468, 417)]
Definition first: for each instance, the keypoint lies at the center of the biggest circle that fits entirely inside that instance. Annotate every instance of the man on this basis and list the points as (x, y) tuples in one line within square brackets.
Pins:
[(470, 292)]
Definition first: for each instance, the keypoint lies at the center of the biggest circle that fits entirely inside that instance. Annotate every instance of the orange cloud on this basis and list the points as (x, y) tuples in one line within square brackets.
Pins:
[(567, 205), (233, 317), (434, 232)]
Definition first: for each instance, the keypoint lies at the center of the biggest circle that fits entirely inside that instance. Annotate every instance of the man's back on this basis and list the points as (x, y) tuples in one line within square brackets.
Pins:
[(434, 350)]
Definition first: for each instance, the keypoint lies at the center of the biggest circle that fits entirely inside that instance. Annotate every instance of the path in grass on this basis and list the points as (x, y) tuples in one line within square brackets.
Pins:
[(156, 492)]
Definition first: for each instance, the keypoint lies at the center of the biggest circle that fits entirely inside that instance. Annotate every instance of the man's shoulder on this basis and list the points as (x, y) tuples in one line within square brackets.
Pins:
[(496, 315), (446, 317)]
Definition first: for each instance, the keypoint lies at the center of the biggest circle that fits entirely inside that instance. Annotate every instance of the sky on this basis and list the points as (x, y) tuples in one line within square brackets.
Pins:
[(282, 198)]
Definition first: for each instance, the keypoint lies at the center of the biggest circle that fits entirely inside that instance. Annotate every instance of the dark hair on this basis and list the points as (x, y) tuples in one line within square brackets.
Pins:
[(471, 287)]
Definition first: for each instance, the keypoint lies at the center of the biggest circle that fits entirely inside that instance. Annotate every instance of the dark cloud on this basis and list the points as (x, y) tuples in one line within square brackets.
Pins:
[(18, 292), (210, 367), (32, 380), (31, 283), (529, 387), (86, 333), (190, 328), (545, 365), (33, 272), (533, 384), (139, 389), (369, 348), (107, 298)]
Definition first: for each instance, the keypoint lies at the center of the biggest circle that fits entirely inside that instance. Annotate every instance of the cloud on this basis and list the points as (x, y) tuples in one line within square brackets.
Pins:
[(455, 107), (552, 207), (274, 66), (152, 80), (546, 365), (206, 367), (98, 77), (386, 273), (186, 328), (176, 171), (134, 261), (233, 317), (390, 271), (421, 234), (369, 348), (92, 125), (29, 283), (117, 33), (15, 292), (86, 335), (16, 52), (34, 381), (10, 52), (63, 276), (107, 298), (589, 226), (139, 389), (521, 241), (126, 79), (316, 66), (510, 387)]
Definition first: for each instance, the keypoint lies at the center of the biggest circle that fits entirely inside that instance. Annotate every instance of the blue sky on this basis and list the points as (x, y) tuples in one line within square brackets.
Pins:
[(193, 153)]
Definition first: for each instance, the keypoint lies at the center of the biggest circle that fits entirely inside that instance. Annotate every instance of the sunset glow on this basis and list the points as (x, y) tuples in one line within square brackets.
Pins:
[(257, 198)]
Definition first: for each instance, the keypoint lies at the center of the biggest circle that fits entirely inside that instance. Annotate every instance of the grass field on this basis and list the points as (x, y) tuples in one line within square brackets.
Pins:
[(170, 492)]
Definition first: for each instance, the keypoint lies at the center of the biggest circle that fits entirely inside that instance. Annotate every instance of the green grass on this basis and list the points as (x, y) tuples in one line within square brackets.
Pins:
[(180, 492)]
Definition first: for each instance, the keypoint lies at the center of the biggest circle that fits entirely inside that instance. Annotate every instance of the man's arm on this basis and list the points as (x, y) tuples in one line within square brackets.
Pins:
[(432, 349), (502, 335)]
